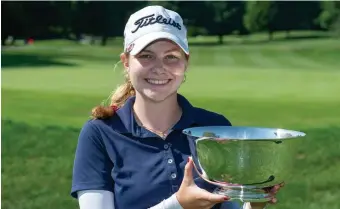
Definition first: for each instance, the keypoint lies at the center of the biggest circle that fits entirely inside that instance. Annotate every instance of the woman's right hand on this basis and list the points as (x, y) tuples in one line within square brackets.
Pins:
[(190, 196)]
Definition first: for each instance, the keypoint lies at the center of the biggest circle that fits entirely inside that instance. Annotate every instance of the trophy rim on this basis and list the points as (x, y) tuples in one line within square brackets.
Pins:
[(198, 133)]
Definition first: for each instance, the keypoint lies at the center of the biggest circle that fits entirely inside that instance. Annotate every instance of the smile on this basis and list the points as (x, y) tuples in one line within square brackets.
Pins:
[(158, 82)]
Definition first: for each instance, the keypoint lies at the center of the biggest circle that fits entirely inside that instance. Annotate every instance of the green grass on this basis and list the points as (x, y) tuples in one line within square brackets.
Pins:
[(36, 166), (48, 91)]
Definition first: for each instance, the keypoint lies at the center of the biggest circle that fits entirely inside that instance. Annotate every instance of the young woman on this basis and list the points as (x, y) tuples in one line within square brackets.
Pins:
[(133, 154)]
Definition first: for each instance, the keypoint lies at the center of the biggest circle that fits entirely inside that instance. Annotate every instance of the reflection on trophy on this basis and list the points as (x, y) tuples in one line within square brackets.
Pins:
[(243, 161)]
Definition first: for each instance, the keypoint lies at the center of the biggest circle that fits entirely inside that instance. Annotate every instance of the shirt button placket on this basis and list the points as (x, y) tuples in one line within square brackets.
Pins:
[(171, 167), (173, 175)]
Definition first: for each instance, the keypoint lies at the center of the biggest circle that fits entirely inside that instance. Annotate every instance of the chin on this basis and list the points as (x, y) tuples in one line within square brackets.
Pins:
[(157, 96)]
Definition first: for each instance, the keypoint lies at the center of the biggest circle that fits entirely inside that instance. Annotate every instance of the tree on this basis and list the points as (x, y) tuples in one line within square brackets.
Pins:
[(63, 14), (15, 21), (329, 17), (295, 15), (259, 16), (209, 18), (226, 18), (101, 18)]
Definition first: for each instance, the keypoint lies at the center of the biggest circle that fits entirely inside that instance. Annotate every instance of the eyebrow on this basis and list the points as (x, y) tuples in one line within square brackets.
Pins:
[(170, 50), (173, 49), (145, 50)]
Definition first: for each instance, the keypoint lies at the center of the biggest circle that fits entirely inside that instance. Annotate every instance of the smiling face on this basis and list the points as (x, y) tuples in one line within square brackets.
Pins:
[(157, 71)]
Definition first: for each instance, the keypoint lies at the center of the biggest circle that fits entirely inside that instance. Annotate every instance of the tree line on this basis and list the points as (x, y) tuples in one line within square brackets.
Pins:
[(105, 19)]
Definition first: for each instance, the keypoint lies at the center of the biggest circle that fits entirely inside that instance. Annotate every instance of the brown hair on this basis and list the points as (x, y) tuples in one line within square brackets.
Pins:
[(118, 98)]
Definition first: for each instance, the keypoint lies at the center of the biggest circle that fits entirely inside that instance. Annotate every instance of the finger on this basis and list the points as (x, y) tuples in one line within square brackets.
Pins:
[(273, 201), (267, 189), (213, 198), (188, 179), (282, 184), (275, 189)]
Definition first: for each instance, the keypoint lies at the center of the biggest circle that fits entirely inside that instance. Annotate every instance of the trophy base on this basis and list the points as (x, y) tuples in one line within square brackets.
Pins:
[(244, 194)]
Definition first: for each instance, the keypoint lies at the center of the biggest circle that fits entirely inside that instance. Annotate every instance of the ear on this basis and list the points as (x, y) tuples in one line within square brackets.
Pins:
[(187, 66), (125, 60)]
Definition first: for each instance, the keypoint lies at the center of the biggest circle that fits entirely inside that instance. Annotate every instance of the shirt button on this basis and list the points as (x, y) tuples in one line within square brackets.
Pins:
[(166, 146), (173, 175), (170, 161)]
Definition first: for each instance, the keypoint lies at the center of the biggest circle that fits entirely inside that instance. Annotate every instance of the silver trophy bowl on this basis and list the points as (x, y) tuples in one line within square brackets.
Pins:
[(243, 161)]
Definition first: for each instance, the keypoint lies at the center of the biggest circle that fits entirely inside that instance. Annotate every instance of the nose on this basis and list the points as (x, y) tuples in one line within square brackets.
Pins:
[(158, 70), (158, 66)]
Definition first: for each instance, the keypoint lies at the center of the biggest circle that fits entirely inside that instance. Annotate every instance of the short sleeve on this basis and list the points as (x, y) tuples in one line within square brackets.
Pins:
[(224, 121), (219, 120), (92, 165)]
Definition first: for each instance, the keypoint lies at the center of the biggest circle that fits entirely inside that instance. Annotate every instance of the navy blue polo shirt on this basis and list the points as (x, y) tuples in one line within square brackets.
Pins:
[(138, 166)]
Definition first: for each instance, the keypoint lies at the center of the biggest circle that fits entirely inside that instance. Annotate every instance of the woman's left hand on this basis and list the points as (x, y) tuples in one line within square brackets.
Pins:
[(272, 192)]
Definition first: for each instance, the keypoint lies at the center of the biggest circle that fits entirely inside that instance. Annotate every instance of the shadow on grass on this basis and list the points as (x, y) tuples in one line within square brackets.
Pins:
[(13, 61)]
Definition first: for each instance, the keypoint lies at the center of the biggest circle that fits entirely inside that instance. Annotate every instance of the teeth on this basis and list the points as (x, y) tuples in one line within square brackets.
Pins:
[(159, 82)]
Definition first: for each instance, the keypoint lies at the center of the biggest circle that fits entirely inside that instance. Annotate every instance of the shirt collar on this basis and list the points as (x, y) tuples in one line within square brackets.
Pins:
[(125, 113)]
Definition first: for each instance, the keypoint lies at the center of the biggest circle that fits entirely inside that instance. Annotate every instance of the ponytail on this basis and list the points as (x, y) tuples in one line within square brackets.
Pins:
[(118, 98)]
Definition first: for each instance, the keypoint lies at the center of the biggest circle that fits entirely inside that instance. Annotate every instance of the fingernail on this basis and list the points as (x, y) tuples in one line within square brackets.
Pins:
[(226, 198), (188, 159)]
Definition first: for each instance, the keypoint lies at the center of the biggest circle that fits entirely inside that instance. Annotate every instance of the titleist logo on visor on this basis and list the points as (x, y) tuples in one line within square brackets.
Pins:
[(150, 20)]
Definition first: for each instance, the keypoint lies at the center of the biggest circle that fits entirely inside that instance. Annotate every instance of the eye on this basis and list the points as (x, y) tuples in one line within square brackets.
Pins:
[(171, 57), (145, 56)]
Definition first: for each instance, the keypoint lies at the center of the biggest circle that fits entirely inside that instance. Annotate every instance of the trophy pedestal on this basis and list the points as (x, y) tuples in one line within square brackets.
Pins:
[(244, 194)]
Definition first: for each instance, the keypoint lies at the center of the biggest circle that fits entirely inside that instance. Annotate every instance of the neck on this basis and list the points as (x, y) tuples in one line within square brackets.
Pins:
[(158, 116)]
